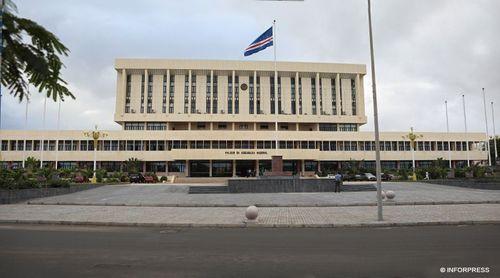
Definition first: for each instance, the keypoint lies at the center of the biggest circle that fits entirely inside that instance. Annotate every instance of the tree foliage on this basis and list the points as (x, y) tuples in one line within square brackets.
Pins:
[(31, 55)]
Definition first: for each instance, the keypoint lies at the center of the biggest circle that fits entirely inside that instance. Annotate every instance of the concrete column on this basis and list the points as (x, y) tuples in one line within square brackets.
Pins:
[(318, 94), (234, 168), (189, 92), (255, 111), (319, 166), (257, 170), (166, 168), (357, 83), (186, 169), (168, 93), (297, 93), (211, 91), (337, 93), (302, 166), (210, 169), (145, 88), (120, 102), (144, 166), (276, 93), (234, 90)]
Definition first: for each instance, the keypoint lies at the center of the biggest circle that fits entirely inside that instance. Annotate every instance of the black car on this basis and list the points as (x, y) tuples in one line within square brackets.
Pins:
[(136, 178)]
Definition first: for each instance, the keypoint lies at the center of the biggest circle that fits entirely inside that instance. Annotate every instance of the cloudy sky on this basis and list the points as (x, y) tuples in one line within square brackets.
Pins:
[(427, 51)]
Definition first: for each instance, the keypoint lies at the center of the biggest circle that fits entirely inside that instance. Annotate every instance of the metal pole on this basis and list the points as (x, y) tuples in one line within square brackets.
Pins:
[(1, 51), (448, 133), (275, 87), (487, 133), (94, 176), (413, 143), (466, 137), (42, 139), (26, 129), (375, 118), (58, 129), (494, 132)]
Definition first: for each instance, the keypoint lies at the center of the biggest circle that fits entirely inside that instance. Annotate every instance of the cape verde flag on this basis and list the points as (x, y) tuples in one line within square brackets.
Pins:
[(262, 42)]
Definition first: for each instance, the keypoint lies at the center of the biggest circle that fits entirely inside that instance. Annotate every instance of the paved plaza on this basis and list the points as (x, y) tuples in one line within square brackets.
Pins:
[(234, 216), (171, 205), (407, 193)]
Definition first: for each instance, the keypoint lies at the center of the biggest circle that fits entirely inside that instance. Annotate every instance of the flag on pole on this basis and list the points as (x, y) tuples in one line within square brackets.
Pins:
[(262, 42)]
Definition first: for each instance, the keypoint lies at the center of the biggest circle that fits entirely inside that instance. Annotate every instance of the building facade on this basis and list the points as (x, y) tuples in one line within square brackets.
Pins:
[(228, 118)]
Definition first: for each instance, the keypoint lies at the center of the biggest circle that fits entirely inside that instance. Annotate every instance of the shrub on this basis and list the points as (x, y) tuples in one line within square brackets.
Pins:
[(100, 174), (403, 174), (57, 183), (459, 173), (113, 180), (478, 171)]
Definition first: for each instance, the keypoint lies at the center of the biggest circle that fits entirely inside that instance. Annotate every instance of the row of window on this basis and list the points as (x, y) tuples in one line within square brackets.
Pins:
[(239, 126), (233, 95), (162, 145)]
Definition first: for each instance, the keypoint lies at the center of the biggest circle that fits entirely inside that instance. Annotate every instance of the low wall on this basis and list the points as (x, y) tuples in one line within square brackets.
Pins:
[(274, 185), (485, 183), (15, 196)]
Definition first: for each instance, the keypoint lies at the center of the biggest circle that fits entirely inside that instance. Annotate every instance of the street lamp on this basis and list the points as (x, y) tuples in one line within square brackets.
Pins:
[(413, 138), (95, 135)]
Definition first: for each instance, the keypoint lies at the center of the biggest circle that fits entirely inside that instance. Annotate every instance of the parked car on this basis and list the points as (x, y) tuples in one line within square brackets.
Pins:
[(370, 177), (360, 177), (136, 178), (79, 179), (386, 176)]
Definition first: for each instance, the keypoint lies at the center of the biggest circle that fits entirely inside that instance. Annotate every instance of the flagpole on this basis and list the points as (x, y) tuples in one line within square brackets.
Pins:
[(25, 129), (487, 133), (494, 133), (275, 87), (448, 131), (466, 137), (375, 118), (42, 137), (58, 129)]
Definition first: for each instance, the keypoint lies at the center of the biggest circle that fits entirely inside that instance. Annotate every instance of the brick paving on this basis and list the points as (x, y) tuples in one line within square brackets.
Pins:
[(176, 195), (234, 216)]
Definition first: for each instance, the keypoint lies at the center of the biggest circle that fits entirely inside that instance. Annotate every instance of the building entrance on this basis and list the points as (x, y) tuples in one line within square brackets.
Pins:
[(245, 168)]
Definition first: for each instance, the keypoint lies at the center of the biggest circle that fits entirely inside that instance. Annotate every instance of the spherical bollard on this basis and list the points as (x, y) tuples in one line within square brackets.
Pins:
[(383, 194), (251, 213), (390, 194)]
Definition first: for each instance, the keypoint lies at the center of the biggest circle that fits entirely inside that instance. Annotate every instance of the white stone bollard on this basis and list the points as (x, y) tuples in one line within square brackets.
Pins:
[(390, 194), (252, 212), (383, 194)]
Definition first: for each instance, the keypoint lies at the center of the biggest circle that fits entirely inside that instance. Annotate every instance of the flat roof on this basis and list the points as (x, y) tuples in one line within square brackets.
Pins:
[(243, 65)]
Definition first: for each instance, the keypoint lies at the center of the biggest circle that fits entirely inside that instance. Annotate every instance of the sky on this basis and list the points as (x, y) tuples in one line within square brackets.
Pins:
[(426, 52)]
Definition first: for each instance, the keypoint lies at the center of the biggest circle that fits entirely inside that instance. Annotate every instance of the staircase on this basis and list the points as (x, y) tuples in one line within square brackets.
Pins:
[(208, 189)]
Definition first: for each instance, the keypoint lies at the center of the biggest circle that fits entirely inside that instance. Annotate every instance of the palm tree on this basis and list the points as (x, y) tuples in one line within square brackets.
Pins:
[(31, 56)]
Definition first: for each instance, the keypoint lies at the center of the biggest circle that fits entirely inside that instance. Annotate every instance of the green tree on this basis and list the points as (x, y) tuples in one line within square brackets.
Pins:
[(31, 55), (133, 165), (31, 163)]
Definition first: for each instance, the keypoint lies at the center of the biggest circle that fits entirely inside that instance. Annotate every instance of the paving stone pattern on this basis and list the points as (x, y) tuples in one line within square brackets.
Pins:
[(176, 195)]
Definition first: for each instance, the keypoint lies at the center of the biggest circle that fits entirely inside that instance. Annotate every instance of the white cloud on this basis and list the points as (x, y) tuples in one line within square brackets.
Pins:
[(426, 51)]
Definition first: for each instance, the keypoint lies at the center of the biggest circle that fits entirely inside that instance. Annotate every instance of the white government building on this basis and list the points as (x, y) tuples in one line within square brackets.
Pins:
[(223, 118)]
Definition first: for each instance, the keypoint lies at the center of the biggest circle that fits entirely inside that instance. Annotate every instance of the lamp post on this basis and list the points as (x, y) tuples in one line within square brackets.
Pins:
[(375, 117), (413, 138), (448, 133), (494, 135), (95, 135)]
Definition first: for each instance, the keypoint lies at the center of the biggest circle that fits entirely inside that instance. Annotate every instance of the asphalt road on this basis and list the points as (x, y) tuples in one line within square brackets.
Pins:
[(65, 251)]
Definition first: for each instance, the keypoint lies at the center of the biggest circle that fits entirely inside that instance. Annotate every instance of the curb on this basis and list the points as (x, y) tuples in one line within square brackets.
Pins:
[(385, 203), (251, 225)]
